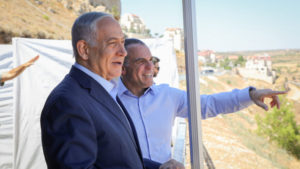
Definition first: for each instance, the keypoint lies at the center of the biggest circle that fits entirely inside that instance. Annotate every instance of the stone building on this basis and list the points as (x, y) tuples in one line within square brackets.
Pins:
[(207, 56), (259, 67), (176, 36), (134, 26)]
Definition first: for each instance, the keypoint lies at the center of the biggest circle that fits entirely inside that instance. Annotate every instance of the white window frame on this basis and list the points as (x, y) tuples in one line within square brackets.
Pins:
[(191, 63)]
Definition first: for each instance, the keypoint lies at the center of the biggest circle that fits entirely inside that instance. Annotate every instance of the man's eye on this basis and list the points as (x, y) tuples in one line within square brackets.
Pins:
[(142, 61)]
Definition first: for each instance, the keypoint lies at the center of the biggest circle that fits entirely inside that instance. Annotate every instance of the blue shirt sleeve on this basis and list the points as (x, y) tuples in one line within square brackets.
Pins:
[(220, 103)]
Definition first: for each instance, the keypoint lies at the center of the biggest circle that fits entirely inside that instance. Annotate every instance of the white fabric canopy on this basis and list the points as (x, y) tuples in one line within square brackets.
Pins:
[(6, 109), (31, 91), (22, 100)]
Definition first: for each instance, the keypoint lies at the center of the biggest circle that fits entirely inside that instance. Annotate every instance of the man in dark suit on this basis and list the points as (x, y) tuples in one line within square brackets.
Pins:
[(83, 123)]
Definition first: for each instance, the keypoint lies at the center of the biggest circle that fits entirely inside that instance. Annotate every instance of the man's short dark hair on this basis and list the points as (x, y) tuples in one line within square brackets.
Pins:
[(84, 28), (132, 41), (128, 42)]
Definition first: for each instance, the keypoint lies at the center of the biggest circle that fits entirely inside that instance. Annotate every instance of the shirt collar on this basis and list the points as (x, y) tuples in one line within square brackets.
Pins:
[(122, 88), (109, 86)]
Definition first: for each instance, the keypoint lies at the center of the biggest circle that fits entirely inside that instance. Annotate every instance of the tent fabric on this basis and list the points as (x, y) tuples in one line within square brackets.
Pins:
[(22, 99), (31, 91), (6, 109)]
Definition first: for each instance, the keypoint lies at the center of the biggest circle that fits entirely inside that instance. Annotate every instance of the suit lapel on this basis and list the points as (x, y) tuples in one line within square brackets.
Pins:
[(132, 126), (103, 97)]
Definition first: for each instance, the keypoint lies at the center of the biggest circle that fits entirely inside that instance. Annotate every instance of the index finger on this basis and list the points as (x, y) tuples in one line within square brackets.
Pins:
[(35, 58), (273, 93)]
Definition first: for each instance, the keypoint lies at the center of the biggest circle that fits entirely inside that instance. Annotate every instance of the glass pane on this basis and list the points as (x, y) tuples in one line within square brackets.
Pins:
[(251, 43), (159, 24)]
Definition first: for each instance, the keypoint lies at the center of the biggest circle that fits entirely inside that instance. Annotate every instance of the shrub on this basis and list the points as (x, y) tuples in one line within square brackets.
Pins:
[(279, 126), (228, 82), (278, 70), (46, 17)]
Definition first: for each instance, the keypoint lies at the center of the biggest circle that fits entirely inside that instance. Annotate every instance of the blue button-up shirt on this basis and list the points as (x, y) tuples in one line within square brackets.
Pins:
[(154, 112)]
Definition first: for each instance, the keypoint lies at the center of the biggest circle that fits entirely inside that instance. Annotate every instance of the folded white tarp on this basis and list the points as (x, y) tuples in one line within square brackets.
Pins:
[(31, 91), (24, 97), (6, 109)]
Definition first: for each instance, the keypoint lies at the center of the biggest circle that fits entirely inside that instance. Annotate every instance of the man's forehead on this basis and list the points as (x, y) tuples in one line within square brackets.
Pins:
[(110, 27), (115, 37), (106, 20), (139, 48), (139, 51)]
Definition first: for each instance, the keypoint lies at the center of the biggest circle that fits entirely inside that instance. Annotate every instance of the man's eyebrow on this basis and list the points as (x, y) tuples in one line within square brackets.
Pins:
[(112, 38), (115, 38), (140, 59), (137, 59)]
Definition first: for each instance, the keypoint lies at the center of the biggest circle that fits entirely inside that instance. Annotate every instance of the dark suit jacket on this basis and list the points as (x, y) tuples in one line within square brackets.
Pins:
[(83, 127)]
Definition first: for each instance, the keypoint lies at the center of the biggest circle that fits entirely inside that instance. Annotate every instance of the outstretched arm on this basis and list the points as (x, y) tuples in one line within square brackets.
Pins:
[(229, 102), (258, 96), (17, 71)]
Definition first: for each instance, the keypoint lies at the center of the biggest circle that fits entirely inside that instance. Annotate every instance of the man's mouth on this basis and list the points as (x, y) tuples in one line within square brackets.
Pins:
[(118, 63), (148, 75)]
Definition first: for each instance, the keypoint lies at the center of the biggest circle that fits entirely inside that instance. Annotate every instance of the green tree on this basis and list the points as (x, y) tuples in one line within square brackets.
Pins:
[(279, 126), (240, 61), (226, 64)]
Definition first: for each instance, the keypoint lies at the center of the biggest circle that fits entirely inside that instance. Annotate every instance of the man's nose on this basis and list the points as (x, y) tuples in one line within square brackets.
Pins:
[(150, 65), (122, 51)]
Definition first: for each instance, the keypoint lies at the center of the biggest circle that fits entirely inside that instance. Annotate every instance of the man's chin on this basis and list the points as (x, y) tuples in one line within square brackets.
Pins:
[(150, 83), (116, 74)]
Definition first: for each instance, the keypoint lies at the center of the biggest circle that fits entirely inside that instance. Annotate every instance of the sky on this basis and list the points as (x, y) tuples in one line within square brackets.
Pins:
[(227, 25)]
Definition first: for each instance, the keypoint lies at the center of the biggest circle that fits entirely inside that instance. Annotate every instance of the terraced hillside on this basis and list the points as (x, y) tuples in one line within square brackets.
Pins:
[(231, 140)]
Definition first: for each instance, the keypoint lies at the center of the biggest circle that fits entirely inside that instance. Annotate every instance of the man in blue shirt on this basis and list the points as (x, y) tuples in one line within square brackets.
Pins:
[(153, 108)]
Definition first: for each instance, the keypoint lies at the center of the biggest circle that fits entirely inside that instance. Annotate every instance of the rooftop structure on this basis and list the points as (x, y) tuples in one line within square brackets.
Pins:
[(259, 67), (176, 35), (134, 26)]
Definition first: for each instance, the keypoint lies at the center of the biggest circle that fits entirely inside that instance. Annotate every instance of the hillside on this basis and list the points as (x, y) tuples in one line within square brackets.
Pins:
[(231, 140), (286, 64), (50, 19)]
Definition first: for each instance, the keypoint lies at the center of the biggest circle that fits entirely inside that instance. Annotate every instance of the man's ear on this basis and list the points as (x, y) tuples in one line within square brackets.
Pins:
[(123, 70), (82, 49)]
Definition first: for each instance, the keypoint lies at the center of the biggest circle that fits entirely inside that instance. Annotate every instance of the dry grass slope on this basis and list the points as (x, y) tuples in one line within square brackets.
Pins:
[(231, 140), (28, 18)]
